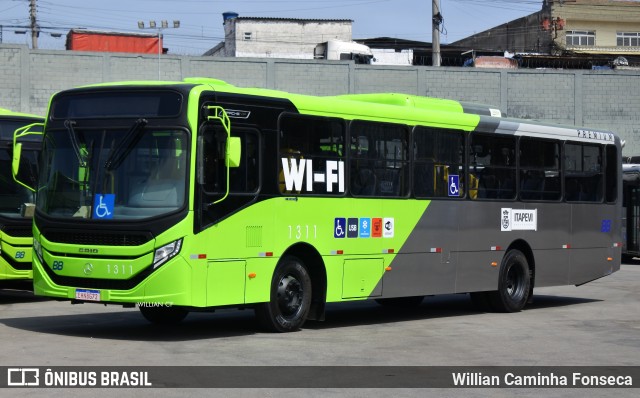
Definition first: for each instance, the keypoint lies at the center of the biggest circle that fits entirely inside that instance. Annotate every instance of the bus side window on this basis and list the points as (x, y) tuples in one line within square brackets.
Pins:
[(583, 172), (379, 159), (438, 163), (362, 176), (311, 147), (292, 157), (244, 179), (214, 176), (611, 174), (492, 162), (539, 169)]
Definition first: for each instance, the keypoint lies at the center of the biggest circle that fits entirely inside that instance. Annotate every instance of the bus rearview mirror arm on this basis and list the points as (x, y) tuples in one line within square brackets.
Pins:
[(233, 151)]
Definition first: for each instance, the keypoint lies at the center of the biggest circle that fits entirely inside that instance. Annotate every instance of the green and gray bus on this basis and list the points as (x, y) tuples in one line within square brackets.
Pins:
[(197, 195), (631, 208), (17, 200)]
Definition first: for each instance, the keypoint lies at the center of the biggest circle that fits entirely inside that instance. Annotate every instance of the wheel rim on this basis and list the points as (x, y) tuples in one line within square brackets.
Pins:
[(515, 282), (290, 295)]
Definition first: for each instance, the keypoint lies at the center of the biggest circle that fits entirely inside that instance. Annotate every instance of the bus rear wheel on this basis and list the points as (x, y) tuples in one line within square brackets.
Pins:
[(513, 284), (290, 300), (163, 315)]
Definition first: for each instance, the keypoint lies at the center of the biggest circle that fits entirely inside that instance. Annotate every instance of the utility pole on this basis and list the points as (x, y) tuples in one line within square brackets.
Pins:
[(34, 24), (164, 24), (435, 37)]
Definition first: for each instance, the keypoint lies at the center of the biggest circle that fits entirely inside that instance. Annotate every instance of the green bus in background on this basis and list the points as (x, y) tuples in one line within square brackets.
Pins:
[(197, 195), (17, 200)]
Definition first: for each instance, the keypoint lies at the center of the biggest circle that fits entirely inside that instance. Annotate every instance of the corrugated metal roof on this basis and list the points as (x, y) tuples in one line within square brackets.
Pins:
[(113, 33), (275, 19)]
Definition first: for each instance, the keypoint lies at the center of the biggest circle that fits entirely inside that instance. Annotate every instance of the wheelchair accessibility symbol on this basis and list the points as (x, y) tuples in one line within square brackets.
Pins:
[(454, 185), (340, 230), (103, 206)]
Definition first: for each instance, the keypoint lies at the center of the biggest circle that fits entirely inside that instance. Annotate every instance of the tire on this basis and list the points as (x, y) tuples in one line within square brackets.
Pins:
[(513, 284), (290, 295), (407, 302), (164, 315)]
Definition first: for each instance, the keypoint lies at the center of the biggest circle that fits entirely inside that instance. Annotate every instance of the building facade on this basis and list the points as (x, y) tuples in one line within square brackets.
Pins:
[(278, 37), (595, 28)]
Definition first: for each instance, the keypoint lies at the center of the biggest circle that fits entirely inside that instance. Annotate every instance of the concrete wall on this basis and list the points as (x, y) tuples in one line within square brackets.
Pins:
[(603, 99)]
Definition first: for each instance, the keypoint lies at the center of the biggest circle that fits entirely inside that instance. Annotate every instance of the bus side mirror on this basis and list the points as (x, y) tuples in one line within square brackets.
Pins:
[(234, 151), (15, 164), (17, 150)]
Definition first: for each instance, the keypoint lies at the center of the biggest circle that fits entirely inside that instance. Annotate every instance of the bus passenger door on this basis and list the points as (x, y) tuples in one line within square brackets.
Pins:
[(631, 220)]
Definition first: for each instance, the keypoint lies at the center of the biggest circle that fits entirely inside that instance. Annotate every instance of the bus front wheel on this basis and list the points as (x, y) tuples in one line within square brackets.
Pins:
[(290, 299), (513, 284), (163, 315)]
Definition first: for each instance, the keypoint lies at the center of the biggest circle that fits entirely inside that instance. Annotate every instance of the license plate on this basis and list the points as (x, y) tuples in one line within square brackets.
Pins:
[(88, 294)]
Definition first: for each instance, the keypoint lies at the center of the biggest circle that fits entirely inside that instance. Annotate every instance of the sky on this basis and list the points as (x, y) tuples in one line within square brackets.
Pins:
[(201, 20)]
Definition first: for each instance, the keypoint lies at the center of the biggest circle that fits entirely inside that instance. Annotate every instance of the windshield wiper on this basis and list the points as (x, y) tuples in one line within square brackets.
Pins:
[(74, 141), (120, 152)]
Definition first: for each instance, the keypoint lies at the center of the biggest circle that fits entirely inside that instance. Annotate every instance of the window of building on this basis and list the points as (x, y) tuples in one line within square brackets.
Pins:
[(438, 169), (628, 39), (247, 35), (581, 38)]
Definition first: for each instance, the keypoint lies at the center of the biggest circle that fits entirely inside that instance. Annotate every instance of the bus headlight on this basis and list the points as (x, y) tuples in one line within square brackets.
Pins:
[(166, 252), (37, 248)]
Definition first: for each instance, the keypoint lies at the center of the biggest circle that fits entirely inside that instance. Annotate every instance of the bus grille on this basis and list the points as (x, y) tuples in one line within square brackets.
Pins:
[(98, 238), (14, 264), (89, 283), (19, 232)]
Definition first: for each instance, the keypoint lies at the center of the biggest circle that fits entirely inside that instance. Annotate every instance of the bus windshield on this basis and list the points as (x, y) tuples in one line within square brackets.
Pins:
[(124, 173)]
